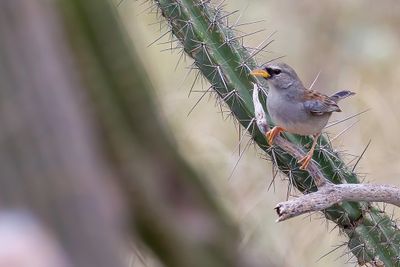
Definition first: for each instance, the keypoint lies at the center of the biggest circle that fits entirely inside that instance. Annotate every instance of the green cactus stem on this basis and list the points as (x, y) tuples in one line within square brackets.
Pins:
[(218, 55)]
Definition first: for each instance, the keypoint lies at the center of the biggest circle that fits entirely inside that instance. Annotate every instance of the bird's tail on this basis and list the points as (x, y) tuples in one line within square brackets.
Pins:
[(341, 95)]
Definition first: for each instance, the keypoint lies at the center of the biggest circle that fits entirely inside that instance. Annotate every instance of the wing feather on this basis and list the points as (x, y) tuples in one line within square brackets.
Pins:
[(319, 104)]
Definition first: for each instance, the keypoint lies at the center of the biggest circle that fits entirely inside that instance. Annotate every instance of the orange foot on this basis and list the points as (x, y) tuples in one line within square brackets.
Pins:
[(305, 160), (274, 132)]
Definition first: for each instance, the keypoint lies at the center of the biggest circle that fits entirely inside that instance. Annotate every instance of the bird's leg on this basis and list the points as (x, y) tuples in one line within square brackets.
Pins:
[(274, 132), (307, 158)]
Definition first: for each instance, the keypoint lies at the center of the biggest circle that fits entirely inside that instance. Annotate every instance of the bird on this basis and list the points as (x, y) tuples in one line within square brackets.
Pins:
[(294, 108)]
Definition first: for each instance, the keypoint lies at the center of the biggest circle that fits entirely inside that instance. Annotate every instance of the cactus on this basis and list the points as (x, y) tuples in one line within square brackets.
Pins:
[(206, 37)]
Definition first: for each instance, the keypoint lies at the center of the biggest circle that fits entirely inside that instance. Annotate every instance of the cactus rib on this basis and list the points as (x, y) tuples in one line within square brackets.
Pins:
[(225, 63)]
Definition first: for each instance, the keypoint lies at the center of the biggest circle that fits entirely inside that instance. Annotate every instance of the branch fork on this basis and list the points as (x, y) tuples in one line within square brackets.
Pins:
[(328, 193)]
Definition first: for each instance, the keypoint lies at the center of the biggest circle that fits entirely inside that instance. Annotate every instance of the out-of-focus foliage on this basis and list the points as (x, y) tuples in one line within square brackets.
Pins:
[(86, 167)]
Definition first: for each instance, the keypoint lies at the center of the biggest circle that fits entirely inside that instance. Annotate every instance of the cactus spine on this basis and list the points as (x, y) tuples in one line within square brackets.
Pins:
[(218, 55)]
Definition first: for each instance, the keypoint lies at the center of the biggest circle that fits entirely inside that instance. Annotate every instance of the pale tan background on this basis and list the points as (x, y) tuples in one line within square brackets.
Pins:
[(354, 44)]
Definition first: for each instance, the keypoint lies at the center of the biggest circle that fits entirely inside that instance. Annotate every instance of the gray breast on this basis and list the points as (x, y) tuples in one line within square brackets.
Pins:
[(289, 113)]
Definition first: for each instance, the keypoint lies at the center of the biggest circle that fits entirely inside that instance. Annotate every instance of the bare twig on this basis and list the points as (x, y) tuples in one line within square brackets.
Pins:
[(330, 194)]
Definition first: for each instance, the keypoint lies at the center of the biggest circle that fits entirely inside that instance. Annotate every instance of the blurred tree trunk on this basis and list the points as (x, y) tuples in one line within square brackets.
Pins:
[(82, 149), (49, 164)]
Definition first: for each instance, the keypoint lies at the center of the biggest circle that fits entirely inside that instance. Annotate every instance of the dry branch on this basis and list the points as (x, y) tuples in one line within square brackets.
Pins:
[(331, 194)]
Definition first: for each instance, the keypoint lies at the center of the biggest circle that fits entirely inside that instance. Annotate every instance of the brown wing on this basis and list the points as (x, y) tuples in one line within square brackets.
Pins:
[(319, 104)]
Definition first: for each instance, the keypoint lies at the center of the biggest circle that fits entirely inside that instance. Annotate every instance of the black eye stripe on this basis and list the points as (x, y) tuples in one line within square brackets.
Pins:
[(277, 71), (272, 71)]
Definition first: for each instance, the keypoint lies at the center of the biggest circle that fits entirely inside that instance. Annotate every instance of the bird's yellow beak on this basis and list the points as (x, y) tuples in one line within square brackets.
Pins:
[(260, 73)]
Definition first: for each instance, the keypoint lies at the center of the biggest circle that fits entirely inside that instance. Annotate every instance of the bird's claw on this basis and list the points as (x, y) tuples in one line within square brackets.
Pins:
[(305, 161), (271, 134)]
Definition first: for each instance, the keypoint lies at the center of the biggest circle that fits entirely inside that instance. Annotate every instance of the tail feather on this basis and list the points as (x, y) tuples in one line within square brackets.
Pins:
[(341, 95)]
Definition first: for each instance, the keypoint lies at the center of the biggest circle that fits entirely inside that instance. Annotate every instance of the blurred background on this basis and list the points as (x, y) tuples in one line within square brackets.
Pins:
[(352, 45), (89, 175)]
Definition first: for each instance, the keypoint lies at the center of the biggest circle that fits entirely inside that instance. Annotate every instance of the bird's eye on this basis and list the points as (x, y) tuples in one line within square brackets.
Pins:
[(273, 72), (276, 71)]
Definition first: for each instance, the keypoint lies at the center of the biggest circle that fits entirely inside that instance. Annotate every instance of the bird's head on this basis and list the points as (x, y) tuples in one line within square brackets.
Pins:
[(278, 75)]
